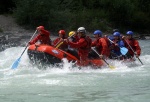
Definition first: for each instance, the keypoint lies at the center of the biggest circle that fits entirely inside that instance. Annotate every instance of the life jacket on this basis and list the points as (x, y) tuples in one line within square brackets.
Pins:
[(42, 37), (45, 40), (135, 46), (107, 41), (102, 47), (98, 47), (63, 46), (131, 42), (89, 42)]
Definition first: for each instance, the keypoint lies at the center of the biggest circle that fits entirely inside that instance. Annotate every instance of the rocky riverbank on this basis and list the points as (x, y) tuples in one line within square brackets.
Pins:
[(12, 34)]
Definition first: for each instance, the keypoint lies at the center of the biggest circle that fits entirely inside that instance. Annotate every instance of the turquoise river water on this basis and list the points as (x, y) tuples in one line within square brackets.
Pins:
[(126, 83)]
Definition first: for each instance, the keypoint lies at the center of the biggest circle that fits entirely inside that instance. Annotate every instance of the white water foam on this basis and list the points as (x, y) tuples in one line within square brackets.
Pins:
[(11, 54)]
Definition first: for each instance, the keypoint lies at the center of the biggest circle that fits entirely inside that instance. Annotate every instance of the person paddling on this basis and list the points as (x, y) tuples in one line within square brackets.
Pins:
[(83, 46), (132, 45), (101, 44), (74, 36), (116, 45), (57, 41), (43, 36)]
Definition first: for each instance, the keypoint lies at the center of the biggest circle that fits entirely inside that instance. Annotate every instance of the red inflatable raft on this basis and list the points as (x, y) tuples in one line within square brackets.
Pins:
[(49, 55)]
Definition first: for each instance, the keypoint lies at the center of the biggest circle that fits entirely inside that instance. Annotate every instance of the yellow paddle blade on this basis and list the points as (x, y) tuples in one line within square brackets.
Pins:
[(111, 67)]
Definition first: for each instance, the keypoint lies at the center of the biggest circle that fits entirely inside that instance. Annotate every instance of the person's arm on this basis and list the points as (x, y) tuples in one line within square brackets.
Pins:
[(35, 39), (94, 43), (78, 44)]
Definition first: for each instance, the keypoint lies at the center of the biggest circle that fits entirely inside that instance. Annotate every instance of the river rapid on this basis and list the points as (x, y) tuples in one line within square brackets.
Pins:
[(126, 83)]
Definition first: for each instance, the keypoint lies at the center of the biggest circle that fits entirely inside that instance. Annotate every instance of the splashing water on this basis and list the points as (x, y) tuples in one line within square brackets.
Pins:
[(128, 82)]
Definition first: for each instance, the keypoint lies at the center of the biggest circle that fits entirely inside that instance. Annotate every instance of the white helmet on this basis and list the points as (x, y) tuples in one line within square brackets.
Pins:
[(81, 29)]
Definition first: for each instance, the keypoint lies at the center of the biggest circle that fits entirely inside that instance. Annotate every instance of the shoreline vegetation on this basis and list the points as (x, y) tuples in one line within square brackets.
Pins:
[(12, 35), (105, 15), (19, 18), (10, 27)]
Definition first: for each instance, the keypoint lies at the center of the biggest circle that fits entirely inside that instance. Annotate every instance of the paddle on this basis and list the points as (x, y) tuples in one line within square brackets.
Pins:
[(16, 63), (111, 67), (133, 52), (58, 43), (61, 42), (123, 50)]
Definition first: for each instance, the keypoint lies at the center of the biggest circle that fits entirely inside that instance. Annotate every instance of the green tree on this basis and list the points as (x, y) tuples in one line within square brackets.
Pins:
[(92, 14), (6, 6)]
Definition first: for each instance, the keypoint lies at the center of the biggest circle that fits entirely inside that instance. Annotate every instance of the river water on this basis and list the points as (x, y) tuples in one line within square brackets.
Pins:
[(126, 83)]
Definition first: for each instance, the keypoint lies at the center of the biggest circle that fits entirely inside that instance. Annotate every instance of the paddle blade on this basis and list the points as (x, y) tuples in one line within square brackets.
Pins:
[(123, 50), (16, 63), (111, 67)]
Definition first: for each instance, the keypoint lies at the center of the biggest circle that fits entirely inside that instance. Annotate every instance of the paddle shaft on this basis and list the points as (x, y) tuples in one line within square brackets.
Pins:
[(61, 42), (16, 63), (27, 43), (123, 50), (133, 52), (111, 41), (58, 43), (100, 57)]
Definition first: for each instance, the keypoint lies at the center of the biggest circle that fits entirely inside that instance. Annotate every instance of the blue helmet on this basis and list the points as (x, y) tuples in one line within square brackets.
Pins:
[(129, 33), (116, 34), (98, 32)]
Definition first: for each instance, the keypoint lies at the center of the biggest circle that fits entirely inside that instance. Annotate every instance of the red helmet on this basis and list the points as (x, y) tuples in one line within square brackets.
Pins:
[(62, 32), (41, 27)]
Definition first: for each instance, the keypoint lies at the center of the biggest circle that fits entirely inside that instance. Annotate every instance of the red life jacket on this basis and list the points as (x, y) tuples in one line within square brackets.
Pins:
[(43, 37), (83, 46), (135, 46), (63, 46), (102, 46), (88, 45)]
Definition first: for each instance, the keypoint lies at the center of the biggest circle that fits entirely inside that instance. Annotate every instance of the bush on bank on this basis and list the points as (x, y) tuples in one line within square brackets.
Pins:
[(92, 14)]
